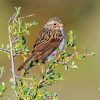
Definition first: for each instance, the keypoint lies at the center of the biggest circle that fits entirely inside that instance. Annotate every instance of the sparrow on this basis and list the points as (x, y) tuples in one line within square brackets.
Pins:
[(50, 38)]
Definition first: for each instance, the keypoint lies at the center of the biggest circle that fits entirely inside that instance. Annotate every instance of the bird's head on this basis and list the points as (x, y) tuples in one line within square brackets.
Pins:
[(54, 23)]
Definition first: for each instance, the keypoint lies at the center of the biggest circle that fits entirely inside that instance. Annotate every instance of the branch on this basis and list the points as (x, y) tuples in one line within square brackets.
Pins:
[(42, 81), (11, 54), (27, 16), (14, 39), (68, 58), (4, 50)]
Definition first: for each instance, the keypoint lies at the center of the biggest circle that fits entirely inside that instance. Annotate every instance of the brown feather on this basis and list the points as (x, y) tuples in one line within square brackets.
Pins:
[(46, 43)]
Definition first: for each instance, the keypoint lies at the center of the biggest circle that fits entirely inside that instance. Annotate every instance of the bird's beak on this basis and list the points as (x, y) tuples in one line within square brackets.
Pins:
[(61, 25)]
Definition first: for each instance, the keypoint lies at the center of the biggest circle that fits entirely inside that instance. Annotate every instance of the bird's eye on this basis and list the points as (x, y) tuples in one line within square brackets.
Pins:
[(54, 23)]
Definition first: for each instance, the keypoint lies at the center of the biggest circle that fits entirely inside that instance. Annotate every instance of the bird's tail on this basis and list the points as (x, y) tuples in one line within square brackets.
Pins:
[(23, 64)]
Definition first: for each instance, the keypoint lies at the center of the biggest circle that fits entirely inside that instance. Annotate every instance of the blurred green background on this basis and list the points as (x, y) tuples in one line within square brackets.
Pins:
[(81, 16)]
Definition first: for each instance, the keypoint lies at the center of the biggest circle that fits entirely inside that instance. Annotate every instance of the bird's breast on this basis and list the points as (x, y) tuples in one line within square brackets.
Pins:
[(61, 45)]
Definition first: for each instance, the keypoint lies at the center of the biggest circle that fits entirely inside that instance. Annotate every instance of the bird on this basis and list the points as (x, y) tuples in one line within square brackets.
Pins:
[(51, 37)]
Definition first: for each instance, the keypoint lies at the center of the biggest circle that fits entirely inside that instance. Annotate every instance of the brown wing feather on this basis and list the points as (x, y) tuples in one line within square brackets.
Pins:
[(47, 48), (44, 35), (45, 45)]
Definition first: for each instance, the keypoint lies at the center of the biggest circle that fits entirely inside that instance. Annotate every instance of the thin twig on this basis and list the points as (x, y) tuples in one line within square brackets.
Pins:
[(68, 58), (27, 16), (8, 52), (41, 67), (12, 58), (16, 54), (14, 39), (4, 50)]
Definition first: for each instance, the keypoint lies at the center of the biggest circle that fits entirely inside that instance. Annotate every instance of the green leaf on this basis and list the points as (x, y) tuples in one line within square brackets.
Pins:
[(80, 57), (93, 53), (71, 40), (2, 88)]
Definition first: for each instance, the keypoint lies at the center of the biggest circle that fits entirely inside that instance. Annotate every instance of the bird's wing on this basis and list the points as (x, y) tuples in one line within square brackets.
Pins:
[(47, 42)]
